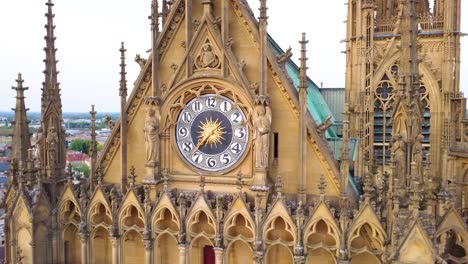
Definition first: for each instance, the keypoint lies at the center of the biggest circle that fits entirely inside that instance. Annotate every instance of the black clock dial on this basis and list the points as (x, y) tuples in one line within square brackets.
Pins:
[(225, 126)]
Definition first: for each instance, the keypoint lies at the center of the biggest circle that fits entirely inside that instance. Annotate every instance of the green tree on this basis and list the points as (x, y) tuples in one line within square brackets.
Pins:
[(83, 168), (80, 145)]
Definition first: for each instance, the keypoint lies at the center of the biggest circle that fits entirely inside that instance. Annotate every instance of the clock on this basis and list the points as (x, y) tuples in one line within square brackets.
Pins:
[(212, 133)]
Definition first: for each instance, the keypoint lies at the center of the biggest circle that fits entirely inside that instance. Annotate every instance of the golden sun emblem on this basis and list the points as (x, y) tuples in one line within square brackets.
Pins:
[(211, 133)]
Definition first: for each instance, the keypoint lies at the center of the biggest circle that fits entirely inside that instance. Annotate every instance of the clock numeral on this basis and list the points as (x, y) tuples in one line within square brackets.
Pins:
[(187, 146), (225, 158), (211, 162), (197, 106), (236, 118), (211, 102), (236, 148), (183, 132), (226, 106), (240, 132), (197, 157), (187, 117)]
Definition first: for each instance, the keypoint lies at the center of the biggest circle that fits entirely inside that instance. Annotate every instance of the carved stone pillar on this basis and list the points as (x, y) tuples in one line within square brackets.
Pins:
[(115, 249), (182, 254), (84, 238), (299, 259), (148, 251), (219, 255)]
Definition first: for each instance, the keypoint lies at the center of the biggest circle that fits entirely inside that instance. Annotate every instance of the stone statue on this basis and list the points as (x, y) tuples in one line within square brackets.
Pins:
[(399, 151), (418, 153), (207, 58), (39, 144), (261, 136), (51, 142), (152, 142)]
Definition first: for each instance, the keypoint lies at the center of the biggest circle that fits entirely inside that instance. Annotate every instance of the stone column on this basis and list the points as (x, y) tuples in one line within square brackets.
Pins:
[(115, 249), (299, 259), (219, 255), (148, 251), (84, 238), (182, 254)]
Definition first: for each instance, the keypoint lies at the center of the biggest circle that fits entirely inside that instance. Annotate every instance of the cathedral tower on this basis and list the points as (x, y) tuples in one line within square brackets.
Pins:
[(378, 69)]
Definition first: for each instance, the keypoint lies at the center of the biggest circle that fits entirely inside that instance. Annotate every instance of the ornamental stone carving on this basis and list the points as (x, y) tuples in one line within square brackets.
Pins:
[(262, 127), (207, 59)]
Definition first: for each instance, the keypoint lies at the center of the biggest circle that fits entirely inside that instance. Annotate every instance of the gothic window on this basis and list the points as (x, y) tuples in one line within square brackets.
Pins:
[(384, 98)]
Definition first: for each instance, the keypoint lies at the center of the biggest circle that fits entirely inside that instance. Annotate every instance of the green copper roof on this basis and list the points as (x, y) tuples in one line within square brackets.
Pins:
[(316, 105)]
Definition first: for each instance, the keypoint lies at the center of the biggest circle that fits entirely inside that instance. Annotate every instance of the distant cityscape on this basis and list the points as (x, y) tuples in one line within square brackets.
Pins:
[(77, 127)]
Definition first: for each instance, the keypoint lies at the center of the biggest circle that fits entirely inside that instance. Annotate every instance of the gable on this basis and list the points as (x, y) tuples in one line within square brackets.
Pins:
[(204, 52)]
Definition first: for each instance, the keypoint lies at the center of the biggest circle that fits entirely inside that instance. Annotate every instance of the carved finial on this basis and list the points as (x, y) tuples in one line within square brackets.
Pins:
[(132, 177), (322, 186), (202, 184), (279, 186), (123, 73), (303, 70), (263, 11), (154, 46)]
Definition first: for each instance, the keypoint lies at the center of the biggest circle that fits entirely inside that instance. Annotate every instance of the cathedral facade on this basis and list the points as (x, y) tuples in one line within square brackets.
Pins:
[(221, 153)]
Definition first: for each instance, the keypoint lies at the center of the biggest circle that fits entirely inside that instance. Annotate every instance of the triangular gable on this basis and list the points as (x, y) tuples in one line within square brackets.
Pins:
[(99, 197), (165, 202), (452, 220), (367, 215), (239, 206), (69, 195), (280, 209), (322, 212), (130, 198), (200, 204), (416, 247)]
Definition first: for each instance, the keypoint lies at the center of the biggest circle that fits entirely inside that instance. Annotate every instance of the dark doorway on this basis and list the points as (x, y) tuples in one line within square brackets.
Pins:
[(208, 255)]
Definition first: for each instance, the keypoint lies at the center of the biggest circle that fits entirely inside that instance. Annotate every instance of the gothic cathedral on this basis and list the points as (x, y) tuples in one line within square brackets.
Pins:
[(221, 153)]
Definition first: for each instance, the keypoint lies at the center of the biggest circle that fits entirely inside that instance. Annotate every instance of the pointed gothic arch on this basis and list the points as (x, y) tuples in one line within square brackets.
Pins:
[(101, 247), (71, 244), (166, 249), (133, 248), (239, 252), (279, 254)]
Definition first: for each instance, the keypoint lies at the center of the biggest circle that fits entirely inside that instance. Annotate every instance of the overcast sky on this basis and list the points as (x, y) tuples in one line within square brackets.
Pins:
[(89, 33)]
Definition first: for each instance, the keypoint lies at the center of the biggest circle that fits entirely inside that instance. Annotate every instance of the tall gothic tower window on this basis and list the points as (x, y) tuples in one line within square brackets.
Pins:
[(384, 98)]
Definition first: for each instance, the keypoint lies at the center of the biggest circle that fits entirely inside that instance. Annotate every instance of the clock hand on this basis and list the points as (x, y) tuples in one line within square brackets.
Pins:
[(201, 142)]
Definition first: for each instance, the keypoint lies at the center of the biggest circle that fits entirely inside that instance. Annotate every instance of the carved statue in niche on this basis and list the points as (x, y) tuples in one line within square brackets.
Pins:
[(207, 58), (261, 136), (51, 141), (418, 153), (152, 141), (399, 151), (39, 144)]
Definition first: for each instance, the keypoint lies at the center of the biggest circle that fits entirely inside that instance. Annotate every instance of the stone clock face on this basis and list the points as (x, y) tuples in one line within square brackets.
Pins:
[(211, 133)]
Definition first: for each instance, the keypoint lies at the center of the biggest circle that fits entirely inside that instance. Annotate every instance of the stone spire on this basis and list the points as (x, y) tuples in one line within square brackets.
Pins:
[(303, 113), (123, 116), (21, 136), (51, 135), (50, 90), (155, 51), (263, 23)]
